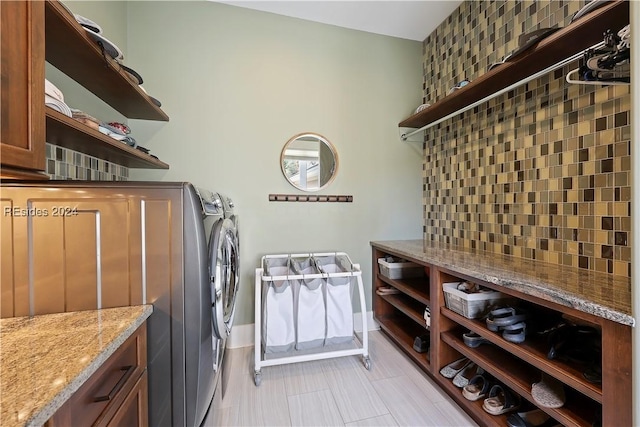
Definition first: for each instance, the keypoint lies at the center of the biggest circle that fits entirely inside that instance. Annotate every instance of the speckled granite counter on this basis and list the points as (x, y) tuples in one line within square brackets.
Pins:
[(45, 359), (588, 291)]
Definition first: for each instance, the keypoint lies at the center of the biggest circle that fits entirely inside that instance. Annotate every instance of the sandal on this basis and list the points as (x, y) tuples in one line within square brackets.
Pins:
[(477, 388), (452, 369), (533, 418), (549, 392), (501, 400), (462, 378), (473, 340), (504, 316), (593, 373), (387, 290), (515, 333)]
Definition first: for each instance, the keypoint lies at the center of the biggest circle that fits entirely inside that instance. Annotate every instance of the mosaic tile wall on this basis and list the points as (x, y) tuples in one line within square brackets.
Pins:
[(65, 164), (541, 172)]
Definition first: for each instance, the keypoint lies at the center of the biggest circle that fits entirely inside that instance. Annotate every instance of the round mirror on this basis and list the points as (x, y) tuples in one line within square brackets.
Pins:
[(309, 161)]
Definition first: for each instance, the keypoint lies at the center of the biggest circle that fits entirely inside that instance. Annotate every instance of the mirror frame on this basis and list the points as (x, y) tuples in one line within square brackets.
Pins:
[(321, 139)]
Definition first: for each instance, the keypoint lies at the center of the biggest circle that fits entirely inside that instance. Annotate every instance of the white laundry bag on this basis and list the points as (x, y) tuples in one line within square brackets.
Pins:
[(278, 327), (338, 292), (310, 307)]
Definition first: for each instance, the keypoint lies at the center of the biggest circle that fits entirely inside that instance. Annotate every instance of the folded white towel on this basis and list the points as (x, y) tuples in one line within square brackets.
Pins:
[(51, 90), (57, 105)]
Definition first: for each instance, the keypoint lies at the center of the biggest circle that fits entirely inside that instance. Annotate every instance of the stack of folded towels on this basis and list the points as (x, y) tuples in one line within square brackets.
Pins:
[(54, 98)]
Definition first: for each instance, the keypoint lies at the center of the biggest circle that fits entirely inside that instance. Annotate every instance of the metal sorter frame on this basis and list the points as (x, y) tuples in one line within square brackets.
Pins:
[(362, 344)]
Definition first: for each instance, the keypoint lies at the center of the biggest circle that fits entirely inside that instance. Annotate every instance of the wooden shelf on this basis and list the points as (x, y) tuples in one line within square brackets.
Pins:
[(578, 36), (69, 133), (69, 49), (408, 307), (517, 366), (474, 409), (403, 332), (414, 288), (533, 351), (519, 376)]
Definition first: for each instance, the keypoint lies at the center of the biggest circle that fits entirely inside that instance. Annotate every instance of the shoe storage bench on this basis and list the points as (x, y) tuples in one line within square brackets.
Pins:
[(546, 292)]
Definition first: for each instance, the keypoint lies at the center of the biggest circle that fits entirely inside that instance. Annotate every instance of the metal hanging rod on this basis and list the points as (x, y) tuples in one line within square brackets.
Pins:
[(540, 73)]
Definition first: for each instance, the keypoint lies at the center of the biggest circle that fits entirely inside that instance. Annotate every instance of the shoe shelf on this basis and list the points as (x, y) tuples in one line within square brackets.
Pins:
[(517, 365), (570, 40), (475, 408), (533, 351), (414, 288), (401, 315), (412, 309), (402, 332), (519, 377)]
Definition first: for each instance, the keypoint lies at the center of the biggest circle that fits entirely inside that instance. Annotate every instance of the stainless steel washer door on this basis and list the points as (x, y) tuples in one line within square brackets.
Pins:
[(223, 276), (233, 246)]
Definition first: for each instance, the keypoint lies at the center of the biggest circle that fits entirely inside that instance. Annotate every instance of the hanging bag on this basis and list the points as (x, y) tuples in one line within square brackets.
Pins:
[(338, 291), (278, 327), (310, 308)]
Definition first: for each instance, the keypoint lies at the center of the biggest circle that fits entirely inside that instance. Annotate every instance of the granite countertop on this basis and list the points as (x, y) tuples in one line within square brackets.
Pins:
[(45, 359), (588, 291)]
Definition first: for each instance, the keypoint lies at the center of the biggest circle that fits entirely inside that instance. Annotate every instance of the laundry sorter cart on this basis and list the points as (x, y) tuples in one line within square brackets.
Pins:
[(304, 311)]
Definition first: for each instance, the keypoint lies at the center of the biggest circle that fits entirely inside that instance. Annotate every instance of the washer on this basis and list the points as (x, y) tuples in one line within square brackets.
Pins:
[(223, 281), (229, 212), (232, 243)]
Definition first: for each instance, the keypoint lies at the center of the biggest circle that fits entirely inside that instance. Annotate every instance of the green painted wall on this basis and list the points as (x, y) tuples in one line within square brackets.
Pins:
[(237, 84)]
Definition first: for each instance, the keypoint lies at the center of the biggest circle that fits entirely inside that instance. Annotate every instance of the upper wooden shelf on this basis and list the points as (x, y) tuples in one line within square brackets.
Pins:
[(69, 133), (69, 49), (579, 35)]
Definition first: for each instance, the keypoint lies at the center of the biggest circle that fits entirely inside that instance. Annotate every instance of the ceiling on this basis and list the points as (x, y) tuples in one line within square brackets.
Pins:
[(412, 20)]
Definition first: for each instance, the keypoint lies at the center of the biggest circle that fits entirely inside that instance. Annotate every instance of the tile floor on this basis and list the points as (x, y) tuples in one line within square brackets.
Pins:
[(337, 392)]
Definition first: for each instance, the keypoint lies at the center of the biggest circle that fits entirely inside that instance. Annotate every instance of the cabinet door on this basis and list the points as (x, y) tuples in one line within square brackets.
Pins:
[(22, 119), (134, 410)]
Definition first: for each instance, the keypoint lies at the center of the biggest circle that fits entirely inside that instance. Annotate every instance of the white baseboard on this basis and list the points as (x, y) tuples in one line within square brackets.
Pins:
[(242, 335)]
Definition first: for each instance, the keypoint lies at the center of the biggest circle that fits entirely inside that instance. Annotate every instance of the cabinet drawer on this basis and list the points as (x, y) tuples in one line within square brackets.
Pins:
[(134, 410), (100, 397)]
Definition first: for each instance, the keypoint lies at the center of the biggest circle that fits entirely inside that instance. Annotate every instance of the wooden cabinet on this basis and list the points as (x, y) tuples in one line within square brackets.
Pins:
[(401, 315), (33, 32), (517, 366), (116, 394), (22, 124)]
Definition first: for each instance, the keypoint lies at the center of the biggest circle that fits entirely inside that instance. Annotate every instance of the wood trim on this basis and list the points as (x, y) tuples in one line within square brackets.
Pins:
[(9, 173), (617, 374), (36, 86)]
